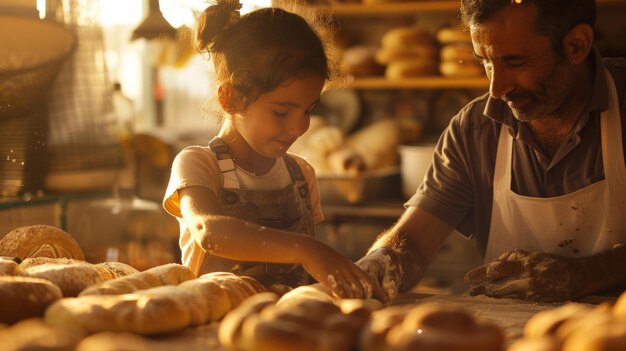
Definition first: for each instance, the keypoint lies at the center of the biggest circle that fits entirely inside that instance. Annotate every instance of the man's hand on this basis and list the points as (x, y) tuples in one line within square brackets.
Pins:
[(384, 267), (531, 276)]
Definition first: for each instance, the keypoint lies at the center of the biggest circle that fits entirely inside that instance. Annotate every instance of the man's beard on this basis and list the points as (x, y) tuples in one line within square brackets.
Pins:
[(549, 97)]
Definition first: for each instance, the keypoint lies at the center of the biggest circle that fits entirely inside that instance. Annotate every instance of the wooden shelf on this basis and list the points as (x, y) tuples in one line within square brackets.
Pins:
[(420, 83), (408, 8), (389, 8)]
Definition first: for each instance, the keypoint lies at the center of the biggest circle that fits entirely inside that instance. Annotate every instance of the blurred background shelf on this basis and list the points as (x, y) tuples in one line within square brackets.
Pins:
[(420, 83), (396, 8)]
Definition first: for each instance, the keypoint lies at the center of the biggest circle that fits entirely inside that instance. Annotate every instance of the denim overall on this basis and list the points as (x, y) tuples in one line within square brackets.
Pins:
[(288, 208)]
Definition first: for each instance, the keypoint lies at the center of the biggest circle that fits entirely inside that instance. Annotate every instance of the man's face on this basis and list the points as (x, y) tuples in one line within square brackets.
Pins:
[(523, 69)]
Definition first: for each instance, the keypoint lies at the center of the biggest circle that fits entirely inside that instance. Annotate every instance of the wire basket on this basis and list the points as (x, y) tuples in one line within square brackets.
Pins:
[(32, 52)]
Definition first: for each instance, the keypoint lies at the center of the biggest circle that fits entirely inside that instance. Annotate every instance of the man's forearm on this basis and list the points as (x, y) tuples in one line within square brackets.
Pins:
[(603, 271)]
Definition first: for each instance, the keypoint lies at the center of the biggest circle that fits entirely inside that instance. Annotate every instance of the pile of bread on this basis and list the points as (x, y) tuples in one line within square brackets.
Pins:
[(53, 299), (72, 298), (456, 54), (576, 327), (408, 52)]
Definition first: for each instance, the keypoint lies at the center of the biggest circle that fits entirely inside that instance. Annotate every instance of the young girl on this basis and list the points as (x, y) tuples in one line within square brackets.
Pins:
[(244, 204)]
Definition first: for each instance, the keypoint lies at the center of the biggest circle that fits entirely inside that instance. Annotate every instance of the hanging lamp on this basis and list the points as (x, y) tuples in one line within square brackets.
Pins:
[(154, 25)]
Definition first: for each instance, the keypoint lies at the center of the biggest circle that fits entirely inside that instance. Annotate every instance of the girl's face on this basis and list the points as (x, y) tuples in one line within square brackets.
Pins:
[(277, 118)]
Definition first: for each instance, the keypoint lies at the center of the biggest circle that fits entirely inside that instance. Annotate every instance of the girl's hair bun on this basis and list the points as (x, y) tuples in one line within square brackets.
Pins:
[(214, 20)]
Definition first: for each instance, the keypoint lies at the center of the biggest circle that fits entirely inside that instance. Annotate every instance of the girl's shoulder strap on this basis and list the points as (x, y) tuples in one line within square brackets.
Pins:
[(294, 168), (225, 163)]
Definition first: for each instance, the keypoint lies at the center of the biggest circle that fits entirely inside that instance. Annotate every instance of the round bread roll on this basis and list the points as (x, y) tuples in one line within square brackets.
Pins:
[(457, 53), (620, 305), (545, 343), (25, 297), (448, 35), (7, 267), (411, 68), (359, 61), (373, 336), (547, 322), (609, 337), (231, 325), (597, 318), (461, 69), (40, 241), (406, 36), (386, 55), (437, 327)]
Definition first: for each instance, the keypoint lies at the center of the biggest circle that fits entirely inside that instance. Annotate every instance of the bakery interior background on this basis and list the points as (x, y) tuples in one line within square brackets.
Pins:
[(109, 147)]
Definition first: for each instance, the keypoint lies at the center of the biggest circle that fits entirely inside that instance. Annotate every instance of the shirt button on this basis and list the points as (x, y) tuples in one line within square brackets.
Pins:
[(231, 198), (303, 191)]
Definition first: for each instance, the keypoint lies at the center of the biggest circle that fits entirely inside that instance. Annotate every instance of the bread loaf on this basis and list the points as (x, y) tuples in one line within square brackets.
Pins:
[(386, 55), (161, 309), (620, 305), (168, 274), (7, 267), (430, 327), (71, 275), (547, 322), (34, 334), (450, 35), (410, 69), (40, 241), (461, 69), (24, 297), (135, 313), (115, 269), (406, 36), (307, 318), (457, 53)]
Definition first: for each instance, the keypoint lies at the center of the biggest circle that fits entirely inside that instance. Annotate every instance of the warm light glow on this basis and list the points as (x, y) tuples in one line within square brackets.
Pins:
[(41, 7)]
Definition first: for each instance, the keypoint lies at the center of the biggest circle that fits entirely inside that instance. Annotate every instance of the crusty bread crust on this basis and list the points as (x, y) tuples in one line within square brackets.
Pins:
[(40, 241)]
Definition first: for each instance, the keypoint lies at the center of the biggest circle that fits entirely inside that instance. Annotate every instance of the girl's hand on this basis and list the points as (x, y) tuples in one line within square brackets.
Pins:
[(337, 272)]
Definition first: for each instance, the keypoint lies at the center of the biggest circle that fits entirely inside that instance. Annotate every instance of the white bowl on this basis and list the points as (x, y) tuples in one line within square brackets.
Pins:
[(414, 163)]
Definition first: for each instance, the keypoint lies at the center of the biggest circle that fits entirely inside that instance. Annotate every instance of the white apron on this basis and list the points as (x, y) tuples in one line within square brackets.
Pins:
[(581, 223)]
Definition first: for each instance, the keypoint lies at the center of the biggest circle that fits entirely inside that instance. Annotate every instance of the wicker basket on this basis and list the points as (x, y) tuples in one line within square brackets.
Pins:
[(32, 52)]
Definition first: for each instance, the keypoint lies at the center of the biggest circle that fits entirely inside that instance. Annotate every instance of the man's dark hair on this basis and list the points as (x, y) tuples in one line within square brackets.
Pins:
[(554, 17)]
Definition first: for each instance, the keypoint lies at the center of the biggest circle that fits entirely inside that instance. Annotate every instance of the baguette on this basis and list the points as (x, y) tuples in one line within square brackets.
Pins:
[(161, 309), (168, 274), (137, 313), (24, 297)]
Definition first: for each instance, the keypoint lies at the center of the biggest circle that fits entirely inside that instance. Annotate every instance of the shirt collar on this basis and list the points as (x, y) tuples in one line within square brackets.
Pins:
[(499, 111)]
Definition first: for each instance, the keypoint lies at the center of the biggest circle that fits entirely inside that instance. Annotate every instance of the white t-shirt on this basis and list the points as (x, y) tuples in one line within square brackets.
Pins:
[(197, 166)]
